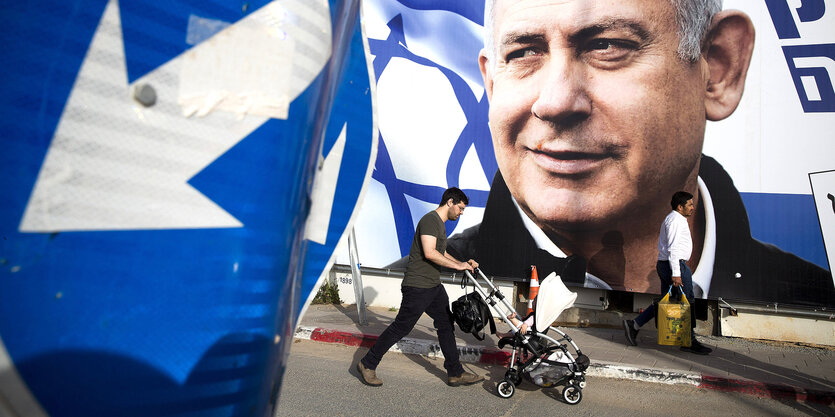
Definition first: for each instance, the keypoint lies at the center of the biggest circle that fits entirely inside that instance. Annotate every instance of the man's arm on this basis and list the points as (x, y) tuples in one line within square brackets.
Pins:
[(442, 259), (472, 263), (672, 237)]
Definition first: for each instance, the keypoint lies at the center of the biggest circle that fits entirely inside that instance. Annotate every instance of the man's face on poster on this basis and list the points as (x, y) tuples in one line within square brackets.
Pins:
[(594, 115)]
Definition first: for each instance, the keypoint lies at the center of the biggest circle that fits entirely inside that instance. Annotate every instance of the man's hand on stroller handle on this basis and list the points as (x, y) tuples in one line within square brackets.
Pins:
[(470, 265)]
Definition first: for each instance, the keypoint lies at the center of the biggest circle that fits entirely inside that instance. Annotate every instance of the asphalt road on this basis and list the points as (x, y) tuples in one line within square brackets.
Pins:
[(320, 380)]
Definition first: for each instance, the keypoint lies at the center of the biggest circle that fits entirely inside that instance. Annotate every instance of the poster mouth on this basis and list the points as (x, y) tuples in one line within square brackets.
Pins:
[(570, 163)]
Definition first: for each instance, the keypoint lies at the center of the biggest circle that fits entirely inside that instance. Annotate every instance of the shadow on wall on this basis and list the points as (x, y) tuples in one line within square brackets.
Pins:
[(370, 295)]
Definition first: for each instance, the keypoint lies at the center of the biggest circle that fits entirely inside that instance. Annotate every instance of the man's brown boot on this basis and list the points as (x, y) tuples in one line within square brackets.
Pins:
[(368, 376), (464, 379)]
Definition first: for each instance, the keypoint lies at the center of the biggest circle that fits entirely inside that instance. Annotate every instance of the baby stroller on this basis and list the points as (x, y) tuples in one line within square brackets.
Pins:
[(544, 359)]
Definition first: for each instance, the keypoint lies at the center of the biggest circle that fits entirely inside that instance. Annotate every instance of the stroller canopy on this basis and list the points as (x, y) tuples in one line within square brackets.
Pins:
[(554, 297)]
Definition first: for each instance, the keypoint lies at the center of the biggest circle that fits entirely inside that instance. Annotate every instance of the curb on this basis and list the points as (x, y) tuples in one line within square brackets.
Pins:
[(407, 345), (495, 356)]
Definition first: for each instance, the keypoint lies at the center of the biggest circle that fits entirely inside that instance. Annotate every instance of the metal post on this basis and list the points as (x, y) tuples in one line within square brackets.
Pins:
[(356, 278)]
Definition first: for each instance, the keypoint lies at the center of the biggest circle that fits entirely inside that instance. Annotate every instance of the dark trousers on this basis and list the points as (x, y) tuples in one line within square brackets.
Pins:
[(666, 275), (416, 301)]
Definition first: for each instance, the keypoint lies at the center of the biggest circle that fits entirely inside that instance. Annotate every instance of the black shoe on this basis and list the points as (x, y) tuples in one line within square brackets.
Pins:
[(631, 333), (697, 348)]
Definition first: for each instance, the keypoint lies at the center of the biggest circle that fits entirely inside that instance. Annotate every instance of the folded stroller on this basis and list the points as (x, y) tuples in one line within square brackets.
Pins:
[(545, 360)]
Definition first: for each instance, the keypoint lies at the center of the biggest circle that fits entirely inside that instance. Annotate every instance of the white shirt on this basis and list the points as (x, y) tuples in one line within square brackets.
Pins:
[(701, 276), (674, 241)]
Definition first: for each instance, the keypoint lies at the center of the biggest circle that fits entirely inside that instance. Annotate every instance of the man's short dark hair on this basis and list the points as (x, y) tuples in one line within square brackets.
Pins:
[(456, 195), (680, 198)]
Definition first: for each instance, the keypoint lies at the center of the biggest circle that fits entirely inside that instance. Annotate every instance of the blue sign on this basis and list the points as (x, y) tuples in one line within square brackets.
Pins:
[(157, 169)]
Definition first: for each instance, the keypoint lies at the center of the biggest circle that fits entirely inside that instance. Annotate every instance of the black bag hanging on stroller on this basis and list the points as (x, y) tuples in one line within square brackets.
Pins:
[(472, 314)]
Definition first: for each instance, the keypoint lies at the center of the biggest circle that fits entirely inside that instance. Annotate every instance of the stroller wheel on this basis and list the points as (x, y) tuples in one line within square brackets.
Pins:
[(514, 376), (505, 389), (572, 394)]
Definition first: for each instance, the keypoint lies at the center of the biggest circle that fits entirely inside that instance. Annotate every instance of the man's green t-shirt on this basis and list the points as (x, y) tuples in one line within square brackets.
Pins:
[(420, 272)]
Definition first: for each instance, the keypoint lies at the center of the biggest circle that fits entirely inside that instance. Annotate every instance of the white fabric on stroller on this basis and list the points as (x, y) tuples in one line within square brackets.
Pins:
[(554, 297)]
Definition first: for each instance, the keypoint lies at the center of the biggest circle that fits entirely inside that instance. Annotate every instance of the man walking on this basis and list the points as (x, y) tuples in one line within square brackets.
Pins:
[(423, 293), (674, 249)]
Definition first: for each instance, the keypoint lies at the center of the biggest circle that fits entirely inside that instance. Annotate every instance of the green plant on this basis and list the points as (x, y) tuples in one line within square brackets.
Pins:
[(328, 294)]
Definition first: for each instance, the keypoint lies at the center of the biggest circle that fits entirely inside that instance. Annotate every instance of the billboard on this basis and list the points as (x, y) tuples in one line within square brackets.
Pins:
[(761, 170)]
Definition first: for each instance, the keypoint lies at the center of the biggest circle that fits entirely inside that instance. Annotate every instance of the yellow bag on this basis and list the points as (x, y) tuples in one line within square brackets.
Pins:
[(673, 321)]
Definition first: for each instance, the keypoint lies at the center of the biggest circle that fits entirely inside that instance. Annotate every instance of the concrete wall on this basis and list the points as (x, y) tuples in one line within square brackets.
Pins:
[(763, 325), (762, 322)]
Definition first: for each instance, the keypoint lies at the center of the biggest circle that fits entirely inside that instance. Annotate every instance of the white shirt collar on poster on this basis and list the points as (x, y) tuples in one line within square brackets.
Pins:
[(702, 275)]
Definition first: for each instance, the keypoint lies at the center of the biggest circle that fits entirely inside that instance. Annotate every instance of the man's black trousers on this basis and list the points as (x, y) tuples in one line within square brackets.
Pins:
[(416, 301)]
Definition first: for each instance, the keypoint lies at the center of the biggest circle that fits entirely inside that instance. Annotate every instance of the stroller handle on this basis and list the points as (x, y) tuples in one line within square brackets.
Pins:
[(491, 297), (496, 294)]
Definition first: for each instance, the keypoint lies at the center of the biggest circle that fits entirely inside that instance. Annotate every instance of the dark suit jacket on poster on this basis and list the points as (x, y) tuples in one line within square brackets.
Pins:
[(503, 247)]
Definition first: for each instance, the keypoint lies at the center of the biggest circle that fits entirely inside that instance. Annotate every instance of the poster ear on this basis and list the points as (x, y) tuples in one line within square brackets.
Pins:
[(727, 51), (486, 74)]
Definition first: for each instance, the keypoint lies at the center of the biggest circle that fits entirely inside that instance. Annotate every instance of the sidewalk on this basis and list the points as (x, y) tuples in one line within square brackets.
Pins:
[(774, 370)]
